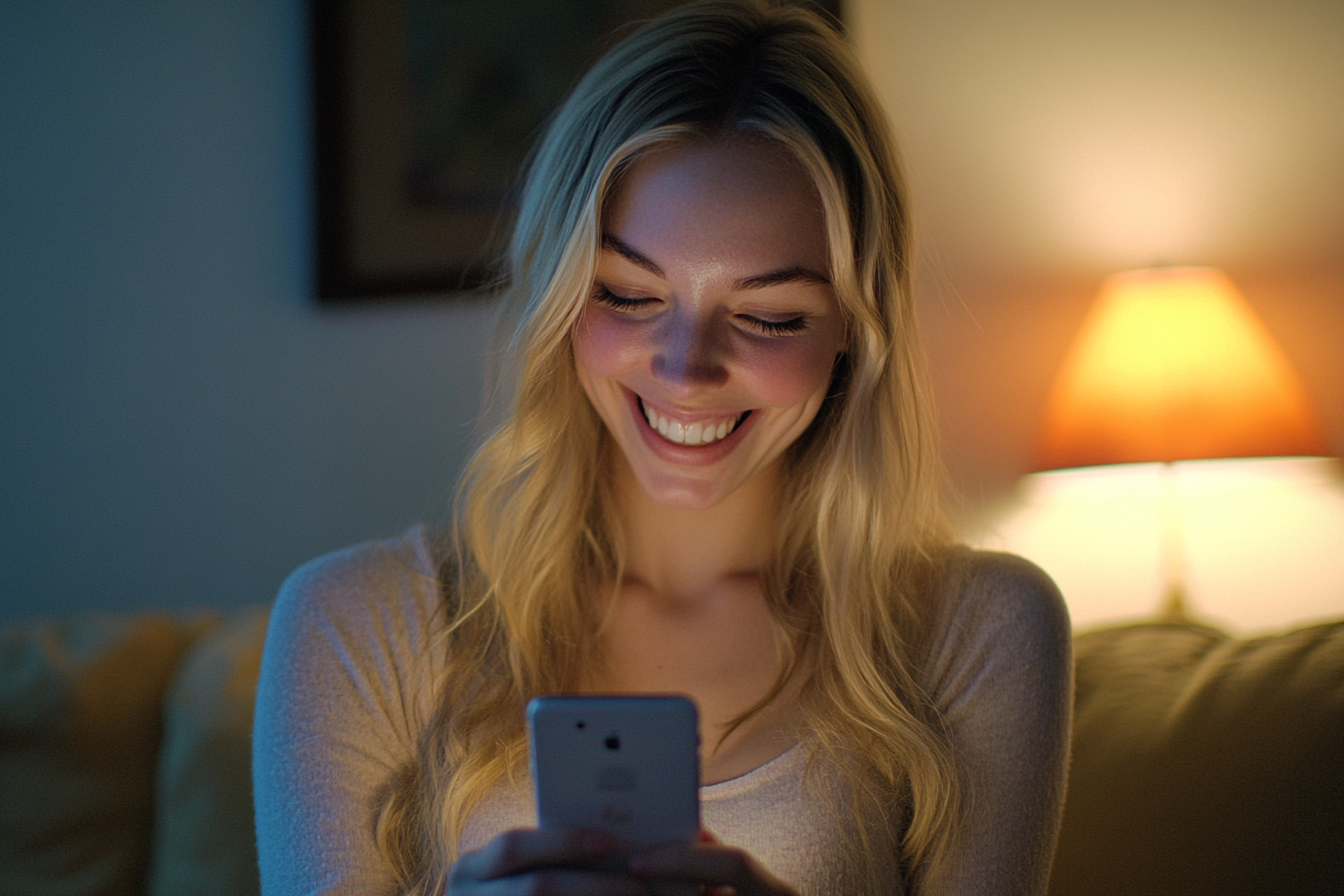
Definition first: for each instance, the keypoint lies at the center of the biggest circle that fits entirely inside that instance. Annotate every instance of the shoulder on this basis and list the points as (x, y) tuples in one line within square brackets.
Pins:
[(392, 582), (362, 574), (973, 590), (367, 615), (346, 690), (987, 610), (999, 669)]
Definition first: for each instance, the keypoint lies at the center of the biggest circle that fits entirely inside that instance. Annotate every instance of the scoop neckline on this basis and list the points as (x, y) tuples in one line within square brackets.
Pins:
[(757, 776)]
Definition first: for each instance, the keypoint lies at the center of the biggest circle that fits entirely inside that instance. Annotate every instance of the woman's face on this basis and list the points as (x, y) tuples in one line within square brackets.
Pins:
[(708, 343)]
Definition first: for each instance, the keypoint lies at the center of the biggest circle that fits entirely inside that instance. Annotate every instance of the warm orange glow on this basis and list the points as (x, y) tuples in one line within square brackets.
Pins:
[(1172, 364)]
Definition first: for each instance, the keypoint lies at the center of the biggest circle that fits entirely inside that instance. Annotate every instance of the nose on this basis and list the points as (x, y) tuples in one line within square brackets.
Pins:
[(690, 354)]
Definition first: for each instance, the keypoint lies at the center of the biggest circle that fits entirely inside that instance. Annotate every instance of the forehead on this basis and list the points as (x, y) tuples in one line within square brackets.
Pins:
[(741, 200)]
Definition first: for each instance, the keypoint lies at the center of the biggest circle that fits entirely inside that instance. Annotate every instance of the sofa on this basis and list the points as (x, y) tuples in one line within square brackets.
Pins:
[(1202, 763)]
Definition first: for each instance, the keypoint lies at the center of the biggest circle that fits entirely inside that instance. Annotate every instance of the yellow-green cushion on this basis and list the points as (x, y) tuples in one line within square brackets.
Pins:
[(204, 841), (80, 722), (1205, 764)]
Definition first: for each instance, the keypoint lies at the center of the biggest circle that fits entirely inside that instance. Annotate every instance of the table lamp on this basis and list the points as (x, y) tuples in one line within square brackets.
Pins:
[(1172, 364)]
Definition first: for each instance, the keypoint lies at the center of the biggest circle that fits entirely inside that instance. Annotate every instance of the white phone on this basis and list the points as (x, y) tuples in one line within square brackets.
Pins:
[(627, 765)]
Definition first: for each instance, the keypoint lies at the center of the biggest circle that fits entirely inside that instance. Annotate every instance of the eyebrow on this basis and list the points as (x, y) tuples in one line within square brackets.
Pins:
[(788, 275), (632, 255), (762, 281)]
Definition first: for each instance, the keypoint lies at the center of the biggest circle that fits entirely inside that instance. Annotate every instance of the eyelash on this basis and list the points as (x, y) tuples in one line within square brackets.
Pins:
[(769, 327), (620, 303), (778, 327)]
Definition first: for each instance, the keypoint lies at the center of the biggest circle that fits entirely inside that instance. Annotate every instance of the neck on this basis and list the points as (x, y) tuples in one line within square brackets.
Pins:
[(680, 553)]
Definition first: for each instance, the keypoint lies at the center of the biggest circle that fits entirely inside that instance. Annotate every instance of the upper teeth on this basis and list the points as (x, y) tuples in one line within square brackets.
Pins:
[(701, 433)]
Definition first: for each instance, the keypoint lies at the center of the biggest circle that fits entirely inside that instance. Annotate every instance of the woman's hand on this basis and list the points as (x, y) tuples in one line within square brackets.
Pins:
[(557, 861), (720, 870)]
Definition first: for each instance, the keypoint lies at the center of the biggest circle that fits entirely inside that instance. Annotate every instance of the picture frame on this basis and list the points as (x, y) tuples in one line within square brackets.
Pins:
[(423, 113)]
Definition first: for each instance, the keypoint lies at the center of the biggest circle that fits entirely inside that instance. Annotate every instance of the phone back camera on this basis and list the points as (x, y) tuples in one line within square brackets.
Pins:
[(613, 741)]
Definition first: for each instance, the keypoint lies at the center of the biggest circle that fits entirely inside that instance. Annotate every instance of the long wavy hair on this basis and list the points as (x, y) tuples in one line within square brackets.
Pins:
[(538, 543)]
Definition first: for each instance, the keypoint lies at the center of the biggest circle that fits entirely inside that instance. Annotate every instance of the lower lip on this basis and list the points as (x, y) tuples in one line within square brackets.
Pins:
[(690, 455)]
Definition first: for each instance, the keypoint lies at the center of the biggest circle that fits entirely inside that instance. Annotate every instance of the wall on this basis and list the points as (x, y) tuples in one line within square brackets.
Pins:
[(181, 424), (1050, 143)]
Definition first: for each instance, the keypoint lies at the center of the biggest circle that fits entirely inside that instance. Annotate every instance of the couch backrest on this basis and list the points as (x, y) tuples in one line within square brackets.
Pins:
[(125, 755), (81, 721), (1205, 764)]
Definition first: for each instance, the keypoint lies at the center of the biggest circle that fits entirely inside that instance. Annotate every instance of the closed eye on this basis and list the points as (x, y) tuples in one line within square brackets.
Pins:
[(604, 296), (775, 327)]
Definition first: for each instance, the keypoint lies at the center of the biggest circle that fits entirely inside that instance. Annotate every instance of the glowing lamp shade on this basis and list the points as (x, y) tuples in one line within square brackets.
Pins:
[(1172, 364)]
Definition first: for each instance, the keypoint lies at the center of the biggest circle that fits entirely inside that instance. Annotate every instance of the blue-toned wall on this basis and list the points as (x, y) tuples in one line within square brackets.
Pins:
[(180, 423)]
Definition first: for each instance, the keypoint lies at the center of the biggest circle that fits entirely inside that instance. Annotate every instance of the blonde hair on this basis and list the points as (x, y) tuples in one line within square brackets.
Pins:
[(537, 537)]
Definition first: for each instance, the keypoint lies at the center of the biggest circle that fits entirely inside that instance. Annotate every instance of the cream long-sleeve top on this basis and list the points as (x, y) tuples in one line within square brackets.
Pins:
[(349, 678)]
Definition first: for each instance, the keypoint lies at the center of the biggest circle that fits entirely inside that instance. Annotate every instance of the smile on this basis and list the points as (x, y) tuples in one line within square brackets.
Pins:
[(703, 432)]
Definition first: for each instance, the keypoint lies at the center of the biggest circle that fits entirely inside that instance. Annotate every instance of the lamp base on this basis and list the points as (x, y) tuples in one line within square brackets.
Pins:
[(1174, 605)]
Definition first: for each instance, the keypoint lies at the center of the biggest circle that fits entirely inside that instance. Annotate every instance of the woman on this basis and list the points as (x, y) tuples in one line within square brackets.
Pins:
[(714, 473)]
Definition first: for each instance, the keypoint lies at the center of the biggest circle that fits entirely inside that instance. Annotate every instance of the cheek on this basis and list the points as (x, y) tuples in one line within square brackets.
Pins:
[(788, 374), (604, 347)]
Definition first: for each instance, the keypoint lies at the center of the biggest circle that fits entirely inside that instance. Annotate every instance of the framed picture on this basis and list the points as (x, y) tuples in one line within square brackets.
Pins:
[(423, 113)]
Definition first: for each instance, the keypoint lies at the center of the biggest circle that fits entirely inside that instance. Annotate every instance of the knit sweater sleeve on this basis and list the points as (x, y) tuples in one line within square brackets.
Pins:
[(1000, 670), (346, 688)]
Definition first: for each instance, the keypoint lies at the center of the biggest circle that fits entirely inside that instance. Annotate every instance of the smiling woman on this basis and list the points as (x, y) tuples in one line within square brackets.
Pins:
[(712, 471), (708, 345)]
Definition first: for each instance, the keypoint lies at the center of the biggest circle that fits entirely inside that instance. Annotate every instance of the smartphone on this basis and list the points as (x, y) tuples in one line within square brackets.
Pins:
[(627, 765)]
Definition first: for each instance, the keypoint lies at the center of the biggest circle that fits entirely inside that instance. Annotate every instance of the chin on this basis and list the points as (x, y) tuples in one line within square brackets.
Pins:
[(682, 493)]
